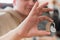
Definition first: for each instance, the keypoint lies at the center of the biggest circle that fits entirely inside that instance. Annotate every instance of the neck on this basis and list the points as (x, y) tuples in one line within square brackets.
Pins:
[(22, 15)]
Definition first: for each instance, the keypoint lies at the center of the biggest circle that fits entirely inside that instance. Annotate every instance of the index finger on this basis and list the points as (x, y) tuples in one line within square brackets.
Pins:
[(43, 5), (35, 6)]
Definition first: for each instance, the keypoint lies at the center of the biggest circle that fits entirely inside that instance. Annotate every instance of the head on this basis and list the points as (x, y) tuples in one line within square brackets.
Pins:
[(23, 6)]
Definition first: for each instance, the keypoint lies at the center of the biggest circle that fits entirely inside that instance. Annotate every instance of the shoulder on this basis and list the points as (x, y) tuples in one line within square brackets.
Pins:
[(6, 19), (4, 13)]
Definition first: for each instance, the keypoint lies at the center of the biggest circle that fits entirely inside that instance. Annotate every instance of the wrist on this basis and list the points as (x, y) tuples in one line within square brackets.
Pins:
[(12, 35), (15, 35)]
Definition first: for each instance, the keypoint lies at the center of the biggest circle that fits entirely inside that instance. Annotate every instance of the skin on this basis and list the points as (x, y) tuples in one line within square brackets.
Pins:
[(28, 28), (23, 6)]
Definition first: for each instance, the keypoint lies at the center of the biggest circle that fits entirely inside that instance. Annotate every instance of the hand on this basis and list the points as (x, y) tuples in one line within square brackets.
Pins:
[(28, 27)]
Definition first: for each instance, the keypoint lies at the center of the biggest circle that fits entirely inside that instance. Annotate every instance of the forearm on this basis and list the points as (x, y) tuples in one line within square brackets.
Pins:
[(12, 35), (18, 32)]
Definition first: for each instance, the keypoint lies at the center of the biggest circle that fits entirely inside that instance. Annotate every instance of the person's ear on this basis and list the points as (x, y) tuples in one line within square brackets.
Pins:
[(14, 2)]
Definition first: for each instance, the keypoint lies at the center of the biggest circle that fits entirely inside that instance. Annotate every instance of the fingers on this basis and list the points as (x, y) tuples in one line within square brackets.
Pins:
[(38, 33), (33, 11), (43, 33), (42, 18), (35, 32), (39, 8), (42, 6), (47, 9), (35, 6)]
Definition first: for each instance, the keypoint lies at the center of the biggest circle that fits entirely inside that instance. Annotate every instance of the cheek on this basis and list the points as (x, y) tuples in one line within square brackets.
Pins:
[(22, 6)]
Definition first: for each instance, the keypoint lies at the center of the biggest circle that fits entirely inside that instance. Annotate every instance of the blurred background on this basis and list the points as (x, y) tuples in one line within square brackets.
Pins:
[(5, 3)]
